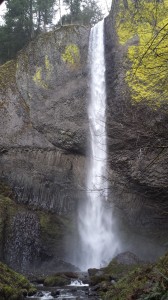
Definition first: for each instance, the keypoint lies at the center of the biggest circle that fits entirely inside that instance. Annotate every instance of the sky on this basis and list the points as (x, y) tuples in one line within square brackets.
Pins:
[(104, 4), (2, 11)]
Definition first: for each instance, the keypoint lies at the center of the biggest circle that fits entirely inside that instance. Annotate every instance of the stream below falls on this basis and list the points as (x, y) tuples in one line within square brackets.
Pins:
[(76, 291)]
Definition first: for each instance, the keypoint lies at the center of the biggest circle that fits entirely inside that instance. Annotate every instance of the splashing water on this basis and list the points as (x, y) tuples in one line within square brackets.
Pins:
[(95, 219), (77, 283)]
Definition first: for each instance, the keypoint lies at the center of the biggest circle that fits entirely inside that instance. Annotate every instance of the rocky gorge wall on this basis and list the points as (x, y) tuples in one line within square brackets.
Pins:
[(43, 138), (137, 145)]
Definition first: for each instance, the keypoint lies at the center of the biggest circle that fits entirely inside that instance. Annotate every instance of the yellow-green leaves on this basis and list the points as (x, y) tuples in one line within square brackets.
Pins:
[(71, 55), (147, 77)]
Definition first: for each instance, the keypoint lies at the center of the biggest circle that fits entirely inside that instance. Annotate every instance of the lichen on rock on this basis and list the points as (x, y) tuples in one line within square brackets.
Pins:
[(71, 55), (7, 75), (38, 78)]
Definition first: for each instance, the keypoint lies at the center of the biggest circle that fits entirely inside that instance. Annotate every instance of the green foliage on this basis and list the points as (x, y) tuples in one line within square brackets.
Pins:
[(56, 280), (12, 284), (23, 20), (119, 270), (143, 283), (147, 22), (91, 13), (44, 11), (83, 12)]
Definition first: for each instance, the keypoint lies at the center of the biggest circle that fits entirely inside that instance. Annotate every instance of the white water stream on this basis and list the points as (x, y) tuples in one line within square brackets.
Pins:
[(95, 219)]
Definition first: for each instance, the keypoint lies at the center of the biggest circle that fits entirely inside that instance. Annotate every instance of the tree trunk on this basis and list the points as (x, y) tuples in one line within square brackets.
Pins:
[(31, 20)]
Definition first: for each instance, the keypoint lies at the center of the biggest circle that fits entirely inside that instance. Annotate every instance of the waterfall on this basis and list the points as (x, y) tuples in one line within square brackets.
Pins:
[(98, 243)]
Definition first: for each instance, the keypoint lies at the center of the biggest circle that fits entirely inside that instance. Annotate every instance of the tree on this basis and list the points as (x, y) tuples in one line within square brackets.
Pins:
[(82, 12), (16, 31), (91, 13), (23, 20), (74, 7), (44, 11)]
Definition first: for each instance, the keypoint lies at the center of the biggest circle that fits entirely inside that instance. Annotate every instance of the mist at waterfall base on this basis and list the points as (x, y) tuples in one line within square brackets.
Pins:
[(98, 243)]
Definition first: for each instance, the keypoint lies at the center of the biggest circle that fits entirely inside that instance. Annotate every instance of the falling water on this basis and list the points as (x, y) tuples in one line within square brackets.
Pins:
[(95, 219)]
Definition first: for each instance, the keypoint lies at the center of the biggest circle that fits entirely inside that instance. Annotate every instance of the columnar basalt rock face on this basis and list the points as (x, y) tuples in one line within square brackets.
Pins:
[(137, 139), (43, 138), (48, 180)]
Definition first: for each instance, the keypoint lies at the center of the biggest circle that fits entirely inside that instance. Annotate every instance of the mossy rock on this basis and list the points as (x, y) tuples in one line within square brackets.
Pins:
[(118, 270), (57, 280), (71, 275), (96, 279), (5, 190), (143, 283), (13, 285), (7, 75)]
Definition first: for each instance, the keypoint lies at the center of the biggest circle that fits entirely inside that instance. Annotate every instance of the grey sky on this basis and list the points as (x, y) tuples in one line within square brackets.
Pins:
[(105, 5)]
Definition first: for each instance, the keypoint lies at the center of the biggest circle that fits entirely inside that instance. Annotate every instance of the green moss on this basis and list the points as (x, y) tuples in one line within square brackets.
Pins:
[(7, 75), (71, 55), (56, 280), (94, 280), (50, 226), (144, 282), (5, 190), (54, 226), (118, 270), (32, 290), (12, 284)]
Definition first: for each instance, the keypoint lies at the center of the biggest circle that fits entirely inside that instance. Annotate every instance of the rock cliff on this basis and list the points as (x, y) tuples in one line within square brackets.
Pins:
[(43, 138), (137, 142)]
